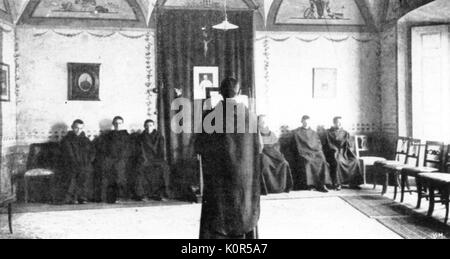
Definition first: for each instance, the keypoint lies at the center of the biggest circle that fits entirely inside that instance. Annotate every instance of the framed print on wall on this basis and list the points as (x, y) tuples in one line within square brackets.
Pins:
[(84, 82), (325, 83), (205, 79), (5, 88)]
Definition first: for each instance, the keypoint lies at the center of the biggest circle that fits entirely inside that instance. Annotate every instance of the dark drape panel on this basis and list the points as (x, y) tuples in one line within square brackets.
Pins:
[(180, 48)]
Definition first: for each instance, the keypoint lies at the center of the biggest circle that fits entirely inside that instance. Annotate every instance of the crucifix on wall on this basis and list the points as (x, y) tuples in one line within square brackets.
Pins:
[(206, 40)]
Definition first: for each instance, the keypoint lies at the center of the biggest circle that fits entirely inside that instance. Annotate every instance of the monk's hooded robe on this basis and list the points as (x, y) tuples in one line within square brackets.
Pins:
[(113, 158), (77, 156), (309, 165), (232, 183), (344, 165), (151, 166), (276, 173)]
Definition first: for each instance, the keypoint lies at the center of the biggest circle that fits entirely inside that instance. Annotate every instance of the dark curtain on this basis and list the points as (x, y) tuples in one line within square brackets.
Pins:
[(179, 49)]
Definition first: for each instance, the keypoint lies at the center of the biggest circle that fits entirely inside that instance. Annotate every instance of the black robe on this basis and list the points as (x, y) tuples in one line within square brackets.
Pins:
[(309, 165), (276, 173), (344, 165), (232, 184), (151, 166), (113, 154), (77, 156)]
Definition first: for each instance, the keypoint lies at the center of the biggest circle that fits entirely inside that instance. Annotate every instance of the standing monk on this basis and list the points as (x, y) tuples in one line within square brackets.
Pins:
[(232, 184), (344, 165), (77, 157), (114, 153), (152, 168), (310, 166)]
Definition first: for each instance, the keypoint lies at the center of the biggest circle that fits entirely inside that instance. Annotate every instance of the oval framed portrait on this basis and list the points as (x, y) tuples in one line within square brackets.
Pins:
[(84, 82)]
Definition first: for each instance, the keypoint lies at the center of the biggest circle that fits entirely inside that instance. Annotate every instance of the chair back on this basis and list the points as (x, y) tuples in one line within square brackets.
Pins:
[(402, 150), (434, 155), (414, 148), (361, 144), (44, 156)]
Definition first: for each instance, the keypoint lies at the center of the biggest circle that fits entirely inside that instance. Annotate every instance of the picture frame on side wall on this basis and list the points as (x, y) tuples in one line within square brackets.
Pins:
[(205, 80), (84, 82), (5, 86), (325, 83)]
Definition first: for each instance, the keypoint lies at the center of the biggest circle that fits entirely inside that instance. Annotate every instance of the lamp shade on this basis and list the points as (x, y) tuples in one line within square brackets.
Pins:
[(225, 26)]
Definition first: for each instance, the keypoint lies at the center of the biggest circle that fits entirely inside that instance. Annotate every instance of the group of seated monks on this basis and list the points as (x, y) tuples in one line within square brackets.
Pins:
[(298, 160), (303, 160), (100, 170)]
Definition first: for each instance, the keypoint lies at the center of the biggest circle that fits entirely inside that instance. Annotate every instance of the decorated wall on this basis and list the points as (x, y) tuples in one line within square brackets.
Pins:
[(285, 64), (126, 61), (7, 103)]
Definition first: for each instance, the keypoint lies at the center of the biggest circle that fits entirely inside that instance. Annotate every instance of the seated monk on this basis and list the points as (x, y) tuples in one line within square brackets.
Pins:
[(276, 173), (114, 151), (77, 157), (344, 165), (151, 166), (309, 164)]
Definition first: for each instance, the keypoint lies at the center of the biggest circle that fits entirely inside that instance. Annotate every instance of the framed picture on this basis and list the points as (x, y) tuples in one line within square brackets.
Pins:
[(324, 85), (5, 91), (205, 78), (84, 82)]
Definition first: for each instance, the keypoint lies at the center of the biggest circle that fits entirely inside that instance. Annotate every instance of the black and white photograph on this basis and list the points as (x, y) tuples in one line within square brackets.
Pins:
[(188, 122)]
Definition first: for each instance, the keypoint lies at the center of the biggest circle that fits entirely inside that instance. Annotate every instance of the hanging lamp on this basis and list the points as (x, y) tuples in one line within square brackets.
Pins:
[(225, 25)]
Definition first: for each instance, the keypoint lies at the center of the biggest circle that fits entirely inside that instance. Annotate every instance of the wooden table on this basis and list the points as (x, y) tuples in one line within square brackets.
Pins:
[(7, 201)]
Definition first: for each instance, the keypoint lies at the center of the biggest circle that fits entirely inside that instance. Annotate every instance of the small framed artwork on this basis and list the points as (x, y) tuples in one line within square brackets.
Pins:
[(205, 78), (325, 83), (5, 91), (84, 82)]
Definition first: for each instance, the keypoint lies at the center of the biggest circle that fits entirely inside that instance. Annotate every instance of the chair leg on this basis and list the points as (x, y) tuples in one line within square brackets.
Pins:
[(432, 201), (419, 193), (447, 208), (403, 186), (364, 172), (53, 189), (385, 184), (25, 185), (397, 184), (10, 218), (374, 179)]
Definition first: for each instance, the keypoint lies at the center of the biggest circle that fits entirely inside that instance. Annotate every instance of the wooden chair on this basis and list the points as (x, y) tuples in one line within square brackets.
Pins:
[(413, 153), (362, 146), (401, 152), (433, 162), (437, 182), (42, 164)]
